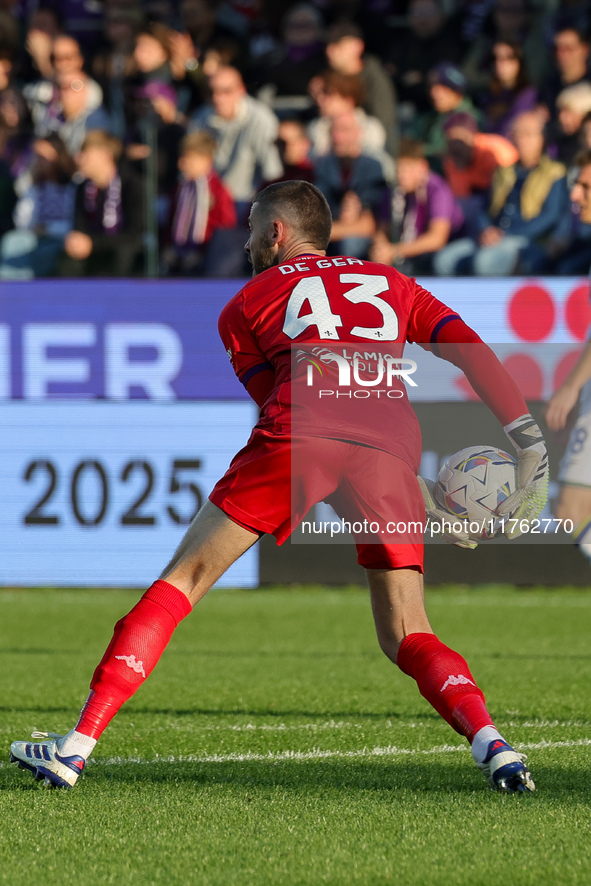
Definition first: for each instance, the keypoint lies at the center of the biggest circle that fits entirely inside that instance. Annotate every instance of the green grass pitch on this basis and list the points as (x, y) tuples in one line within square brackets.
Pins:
[(275, 744)]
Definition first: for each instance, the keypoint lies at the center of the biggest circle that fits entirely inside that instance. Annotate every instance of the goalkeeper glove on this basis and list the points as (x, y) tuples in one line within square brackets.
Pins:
[(529, 499), (438, 517)]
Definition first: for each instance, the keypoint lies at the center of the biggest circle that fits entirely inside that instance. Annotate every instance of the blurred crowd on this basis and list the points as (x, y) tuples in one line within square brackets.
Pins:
[(445, 134)]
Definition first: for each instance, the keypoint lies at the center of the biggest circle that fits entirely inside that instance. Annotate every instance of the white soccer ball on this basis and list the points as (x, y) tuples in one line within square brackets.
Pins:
[(472, 483)]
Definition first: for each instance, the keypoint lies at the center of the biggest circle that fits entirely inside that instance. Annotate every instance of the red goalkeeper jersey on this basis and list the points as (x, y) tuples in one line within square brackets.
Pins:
[(314, 307)]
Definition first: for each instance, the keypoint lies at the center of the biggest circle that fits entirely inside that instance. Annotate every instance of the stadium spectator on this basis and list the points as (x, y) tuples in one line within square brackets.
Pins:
[(567, 252), (573, 104), (419, 217), (213, 37), (158, 117), (336, 94), (108, 219), (190, 70), (345, 52), (509, 91), (299, 56), (43, 28), (471, 157), (114, 68), (574, 501), (246, 131), (527, 202), (512, 22), (204, 44), (43, 96), (469, 163), (572, 67), (353, 183), (7, 193), (43, 215), (201, 207), (430, 40), (78, 109), (199, 21), (192, 64), (447, 89), (294, 148), (17, 137), (66, 56), (10, 36), (152, 54)]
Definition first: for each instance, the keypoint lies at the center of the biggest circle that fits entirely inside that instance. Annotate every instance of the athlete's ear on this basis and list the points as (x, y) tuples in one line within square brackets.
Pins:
[(278, 232)]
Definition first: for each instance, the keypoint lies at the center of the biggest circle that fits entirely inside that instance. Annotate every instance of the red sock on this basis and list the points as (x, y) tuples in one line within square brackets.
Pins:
[(138, 641), (444, 679)]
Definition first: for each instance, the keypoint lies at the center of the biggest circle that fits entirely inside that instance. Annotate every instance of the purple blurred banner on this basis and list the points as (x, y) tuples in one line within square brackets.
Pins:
[(115, 339), (158, 339)]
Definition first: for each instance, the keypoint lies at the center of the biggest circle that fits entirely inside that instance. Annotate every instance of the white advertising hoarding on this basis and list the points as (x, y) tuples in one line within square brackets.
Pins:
[(100, 494)]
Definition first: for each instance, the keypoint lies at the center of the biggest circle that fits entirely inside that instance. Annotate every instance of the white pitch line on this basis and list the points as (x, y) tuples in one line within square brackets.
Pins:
[(280, 756), (317, 754)]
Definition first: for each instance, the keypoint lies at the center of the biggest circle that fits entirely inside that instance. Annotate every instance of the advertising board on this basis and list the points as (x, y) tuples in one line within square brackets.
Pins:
[(100, 494)]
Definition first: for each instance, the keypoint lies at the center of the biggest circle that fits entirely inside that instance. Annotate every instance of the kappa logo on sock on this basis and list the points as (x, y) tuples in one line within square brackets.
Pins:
[(130, 661), (456, 681)]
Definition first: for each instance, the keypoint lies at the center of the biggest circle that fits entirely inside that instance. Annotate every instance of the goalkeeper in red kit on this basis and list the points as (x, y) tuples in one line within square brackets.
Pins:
[(363, 460)]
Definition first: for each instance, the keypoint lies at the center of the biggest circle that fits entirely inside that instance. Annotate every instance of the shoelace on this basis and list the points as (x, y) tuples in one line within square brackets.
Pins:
[(42, 735)]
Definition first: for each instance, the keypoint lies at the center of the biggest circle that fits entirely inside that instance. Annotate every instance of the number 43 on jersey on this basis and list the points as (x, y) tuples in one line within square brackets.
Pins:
[(366, 290)]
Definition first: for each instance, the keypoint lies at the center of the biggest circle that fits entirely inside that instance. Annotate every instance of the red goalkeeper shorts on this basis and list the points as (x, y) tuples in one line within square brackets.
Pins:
[(273, 482)]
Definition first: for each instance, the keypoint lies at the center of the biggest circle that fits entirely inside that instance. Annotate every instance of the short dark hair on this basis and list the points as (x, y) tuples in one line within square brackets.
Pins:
[(302, 206), (159, 32), (348, 85), (341, 30), (100, 138), (582, 34), (411, 149), (63, 165), (199, 142), (583, 158), (461, 119)]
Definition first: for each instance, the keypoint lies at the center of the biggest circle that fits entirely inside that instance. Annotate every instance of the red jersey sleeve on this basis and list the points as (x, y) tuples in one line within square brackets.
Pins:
[(427, 315), (246, 357)]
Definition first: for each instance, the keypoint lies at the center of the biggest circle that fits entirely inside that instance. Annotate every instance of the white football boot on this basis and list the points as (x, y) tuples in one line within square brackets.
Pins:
[(42, 758), (505, 769)]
